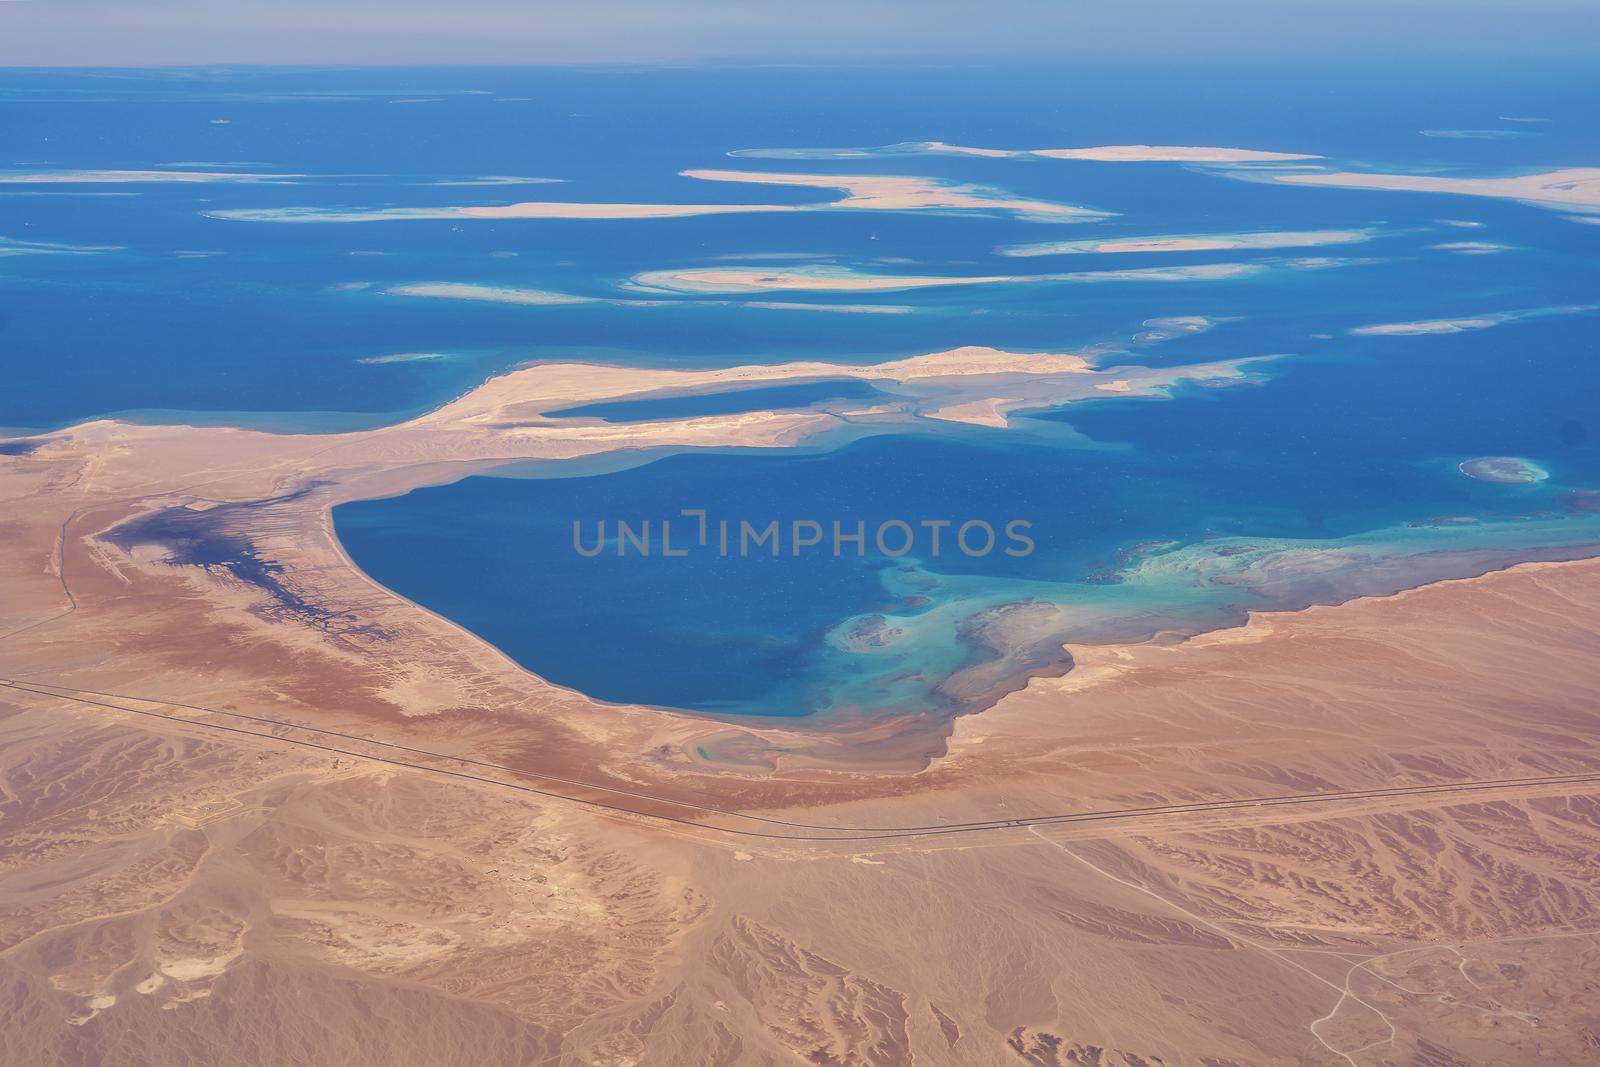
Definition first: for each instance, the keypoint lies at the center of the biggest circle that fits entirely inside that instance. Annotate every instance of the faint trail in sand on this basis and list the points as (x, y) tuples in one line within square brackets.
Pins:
[(1361, 965), (1278, 954)]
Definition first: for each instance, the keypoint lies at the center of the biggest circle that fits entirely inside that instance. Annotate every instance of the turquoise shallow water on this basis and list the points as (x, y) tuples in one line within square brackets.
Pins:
[(1333, 472)]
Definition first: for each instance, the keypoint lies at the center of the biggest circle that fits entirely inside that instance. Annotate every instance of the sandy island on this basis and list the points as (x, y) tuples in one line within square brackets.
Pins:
[(1466, 323), (1505, 470), (1573, 188), (892, 193), (1144, 153), (861, 193), (1138, 153), (1192, 243), (736, 279)]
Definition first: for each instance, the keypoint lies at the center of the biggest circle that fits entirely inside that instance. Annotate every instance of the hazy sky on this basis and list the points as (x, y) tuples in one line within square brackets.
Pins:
[(145, 32)]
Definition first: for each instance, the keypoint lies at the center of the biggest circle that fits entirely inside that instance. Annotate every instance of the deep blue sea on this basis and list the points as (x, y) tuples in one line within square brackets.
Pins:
[(1332, 471)]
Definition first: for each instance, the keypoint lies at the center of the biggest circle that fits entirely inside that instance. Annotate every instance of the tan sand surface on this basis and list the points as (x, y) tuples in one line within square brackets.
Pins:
[(1569, 189), (861, 193), (1467, 323), (894, 193), (1127, 153), (1193, 242), (738, 280), (1144, 153)]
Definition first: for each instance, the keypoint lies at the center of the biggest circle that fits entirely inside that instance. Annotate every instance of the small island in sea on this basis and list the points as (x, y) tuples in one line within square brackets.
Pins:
[(1507, 470)]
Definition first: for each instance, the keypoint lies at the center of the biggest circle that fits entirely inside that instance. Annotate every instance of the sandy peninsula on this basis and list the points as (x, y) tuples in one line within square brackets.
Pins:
[(135, 498)]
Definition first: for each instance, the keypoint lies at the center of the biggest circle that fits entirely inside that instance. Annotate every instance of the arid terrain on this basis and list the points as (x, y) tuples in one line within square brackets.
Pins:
[(255, 808)]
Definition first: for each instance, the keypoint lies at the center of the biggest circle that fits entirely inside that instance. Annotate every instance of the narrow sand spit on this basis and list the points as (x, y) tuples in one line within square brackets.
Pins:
[(1574, 188)]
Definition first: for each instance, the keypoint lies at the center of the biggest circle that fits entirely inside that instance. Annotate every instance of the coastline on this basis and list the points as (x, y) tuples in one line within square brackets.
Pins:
[(282, 512)]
